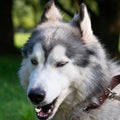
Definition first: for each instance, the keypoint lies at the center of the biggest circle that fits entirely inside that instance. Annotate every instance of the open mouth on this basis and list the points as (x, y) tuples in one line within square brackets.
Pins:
[(45, 111)]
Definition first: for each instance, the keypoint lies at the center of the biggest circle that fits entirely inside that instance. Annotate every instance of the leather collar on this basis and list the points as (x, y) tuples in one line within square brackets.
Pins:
[(114, 82)]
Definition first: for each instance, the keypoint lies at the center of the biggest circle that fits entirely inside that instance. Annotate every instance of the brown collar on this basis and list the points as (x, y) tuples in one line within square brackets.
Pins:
[(115, 81)]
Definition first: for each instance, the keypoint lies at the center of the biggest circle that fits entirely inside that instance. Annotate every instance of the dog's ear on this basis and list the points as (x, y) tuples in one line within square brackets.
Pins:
[(50, 13), (83, 19)]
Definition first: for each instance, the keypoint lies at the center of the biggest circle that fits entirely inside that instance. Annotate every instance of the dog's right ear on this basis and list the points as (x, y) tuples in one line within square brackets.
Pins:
[(50, 13), (84, 22)]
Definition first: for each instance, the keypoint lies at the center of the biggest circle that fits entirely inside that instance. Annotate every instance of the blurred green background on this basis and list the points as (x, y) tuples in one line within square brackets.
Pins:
[(18, 18)]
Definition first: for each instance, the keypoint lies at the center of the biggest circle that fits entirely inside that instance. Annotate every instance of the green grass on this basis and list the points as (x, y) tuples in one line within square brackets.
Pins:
[(13, 101), (21, 39)]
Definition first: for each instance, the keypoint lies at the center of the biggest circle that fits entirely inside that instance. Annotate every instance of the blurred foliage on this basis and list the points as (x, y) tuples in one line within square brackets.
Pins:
[(20, 39), (25, 13), (93, 5)]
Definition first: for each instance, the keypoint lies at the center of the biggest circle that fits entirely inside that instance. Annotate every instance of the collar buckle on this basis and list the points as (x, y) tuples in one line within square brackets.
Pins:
[(108, 93)]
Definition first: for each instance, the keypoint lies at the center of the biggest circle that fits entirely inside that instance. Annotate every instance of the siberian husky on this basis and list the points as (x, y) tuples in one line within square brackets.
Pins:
[(66, 72)]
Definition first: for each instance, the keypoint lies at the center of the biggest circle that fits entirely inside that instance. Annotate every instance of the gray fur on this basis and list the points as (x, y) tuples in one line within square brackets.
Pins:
[(74, 51)]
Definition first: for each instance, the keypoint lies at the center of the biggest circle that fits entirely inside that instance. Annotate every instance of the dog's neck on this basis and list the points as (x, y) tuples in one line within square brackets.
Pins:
[(66, 110), (101, 99)]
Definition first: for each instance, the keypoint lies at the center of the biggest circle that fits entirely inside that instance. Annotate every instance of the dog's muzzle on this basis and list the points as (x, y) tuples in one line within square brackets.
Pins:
[(43, 111)]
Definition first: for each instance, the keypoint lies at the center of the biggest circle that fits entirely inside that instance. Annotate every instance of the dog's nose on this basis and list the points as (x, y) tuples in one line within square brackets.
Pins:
[(36, 95)]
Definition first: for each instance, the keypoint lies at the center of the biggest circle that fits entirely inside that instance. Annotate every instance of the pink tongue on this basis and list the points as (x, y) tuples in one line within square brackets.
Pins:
[(43, 115)]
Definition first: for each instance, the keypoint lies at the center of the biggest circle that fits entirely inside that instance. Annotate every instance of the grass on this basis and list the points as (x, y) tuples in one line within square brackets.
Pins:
[(13, 102)]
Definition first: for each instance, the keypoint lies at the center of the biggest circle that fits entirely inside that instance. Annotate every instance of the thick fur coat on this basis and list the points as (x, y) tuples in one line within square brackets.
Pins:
[(65, 68)]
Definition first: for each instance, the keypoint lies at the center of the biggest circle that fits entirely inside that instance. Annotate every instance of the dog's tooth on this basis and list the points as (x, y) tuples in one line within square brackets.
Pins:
[(45, 115), (52, 107), (49, 111), (37, 110)]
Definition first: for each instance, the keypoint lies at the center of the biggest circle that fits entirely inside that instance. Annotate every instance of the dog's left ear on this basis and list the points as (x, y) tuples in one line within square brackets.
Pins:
[(83, 19), (51, 13)]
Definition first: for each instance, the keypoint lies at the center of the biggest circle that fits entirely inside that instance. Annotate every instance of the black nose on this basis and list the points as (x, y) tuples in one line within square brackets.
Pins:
[(36, 95)]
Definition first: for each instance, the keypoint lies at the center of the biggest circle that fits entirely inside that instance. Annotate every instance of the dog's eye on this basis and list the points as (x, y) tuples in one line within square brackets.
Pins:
[(61, 64), (34, 61)]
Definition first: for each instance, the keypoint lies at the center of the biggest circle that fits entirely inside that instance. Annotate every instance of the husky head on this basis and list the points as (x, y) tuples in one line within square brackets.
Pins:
[(62, 60)]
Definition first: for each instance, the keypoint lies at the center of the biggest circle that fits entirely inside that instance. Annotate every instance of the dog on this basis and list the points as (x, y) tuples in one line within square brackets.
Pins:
[(66, 71)]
